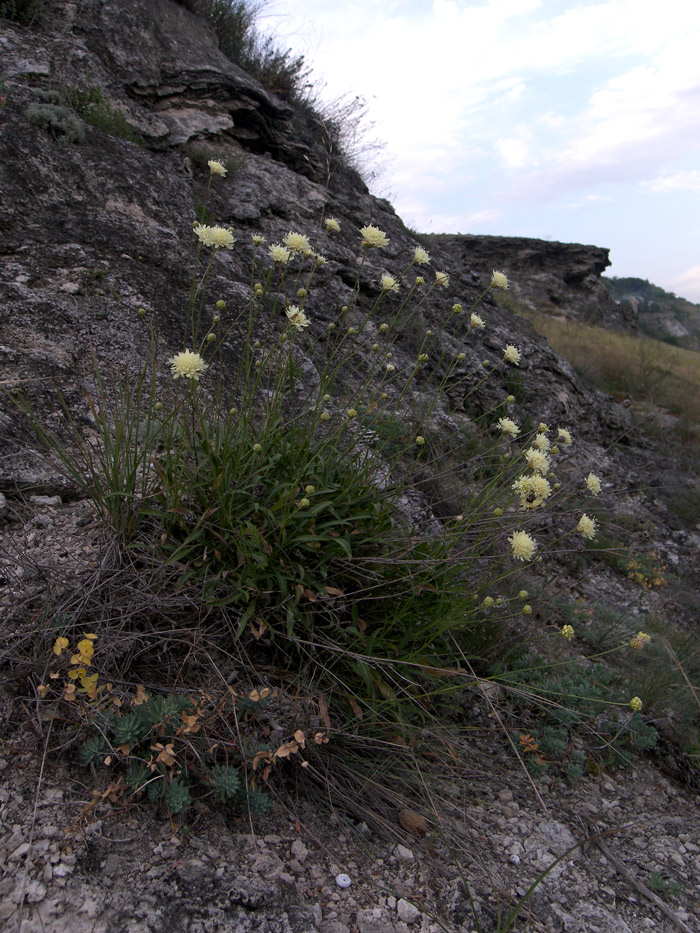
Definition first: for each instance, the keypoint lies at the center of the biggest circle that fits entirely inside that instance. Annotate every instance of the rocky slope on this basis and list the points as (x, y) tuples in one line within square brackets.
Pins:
[(547, 276), (659, 314), (93, 225)]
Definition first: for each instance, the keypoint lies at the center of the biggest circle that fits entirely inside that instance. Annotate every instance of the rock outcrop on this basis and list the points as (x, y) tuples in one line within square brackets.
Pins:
[(547, 276), (94, 224)]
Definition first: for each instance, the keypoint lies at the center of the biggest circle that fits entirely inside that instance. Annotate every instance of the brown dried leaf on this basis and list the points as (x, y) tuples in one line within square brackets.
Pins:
[(323, 711), (413, 822)]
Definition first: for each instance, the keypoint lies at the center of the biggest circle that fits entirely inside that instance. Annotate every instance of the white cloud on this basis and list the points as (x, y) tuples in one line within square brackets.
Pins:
[(675, 181)]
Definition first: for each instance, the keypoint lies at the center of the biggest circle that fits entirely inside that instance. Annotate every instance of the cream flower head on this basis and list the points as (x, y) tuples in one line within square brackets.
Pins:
[(541, 442), (187, 365), (389, 283), (533, 490), (420, 257), (498, 280), (279, 253), (567, 631), (476, 321), (586, 526), (442, 279), (332, 225), (296, 317), (297, 242), (508, 426), (511, 354), (258, 240), (593, 484), (373, 237), (215, 236), (523, 545), (636, 705), (564, 437), (216, 167), (537, 460)]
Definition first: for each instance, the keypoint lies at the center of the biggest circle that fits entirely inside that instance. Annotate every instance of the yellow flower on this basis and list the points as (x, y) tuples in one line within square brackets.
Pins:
[(533, 490), (420, 440), (568, 631), (420, 257), (325, 416), (296, 242), (188, 365), (216, 168), (511, 354), (60, 645), (215, 236), (390, 367), (523, 545), (537, 460), (593, 484), (639, 640), (279, 253), (296, 317), (586, 526), (476, 321), (508, 426), (541, 442), (332, 225), (498, 280), (636, 704), (457, 308), (304, 503), (351, 413), (373, 237), (442, 279), (489, 601), (258, 240), (564, 436), (389, 283)]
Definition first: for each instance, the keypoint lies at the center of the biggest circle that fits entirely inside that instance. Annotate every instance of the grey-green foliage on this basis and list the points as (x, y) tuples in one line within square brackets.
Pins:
[(59, 120)]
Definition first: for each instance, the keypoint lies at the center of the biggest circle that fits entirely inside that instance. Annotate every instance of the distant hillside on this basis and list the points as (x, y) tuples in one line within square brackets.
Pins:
[(659, 314)]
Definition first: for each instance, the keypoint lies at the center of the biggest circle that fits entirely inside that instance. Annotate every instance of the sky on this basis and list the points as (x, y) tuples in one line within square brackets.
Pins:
[(570, 120)]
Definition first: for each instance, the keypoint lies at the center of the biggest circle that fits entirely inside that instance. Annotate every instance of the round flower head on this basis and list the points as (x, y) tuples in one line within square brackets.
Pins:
[(636, 705), (498, 280), (420, 257), (541, 442), (187, 365), (567, 631), (593, 484), (258, 240), (476, 321), (320, 260), (586, 526), (442, 279), (304, 503), (389, 283), (532, 489), (373, 237), (390, 367), (296, 242), (296, 317), (508, 426), (511, 354), (279, 253), (351, 413), (639, 640), (420, 280), (217, 237), (332, 225), (216, 167), (420, 440), (564, 437), (523, 546), (537, 460)]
